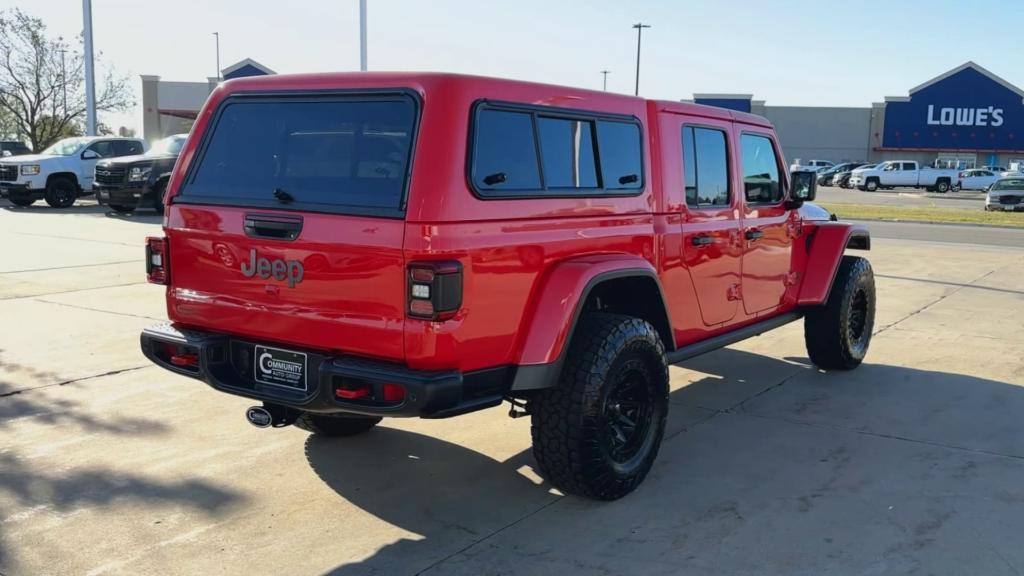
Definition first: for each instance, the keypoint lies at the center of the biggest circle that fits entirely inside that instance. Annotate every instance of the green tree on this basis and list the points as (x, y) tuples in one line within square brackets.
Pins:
[(42, 82)]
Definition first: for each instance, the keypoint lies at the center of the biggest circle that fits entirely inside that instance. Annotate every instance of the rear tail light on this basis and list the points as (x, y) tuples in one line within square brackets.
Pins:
[(435, 289), (157, 264)]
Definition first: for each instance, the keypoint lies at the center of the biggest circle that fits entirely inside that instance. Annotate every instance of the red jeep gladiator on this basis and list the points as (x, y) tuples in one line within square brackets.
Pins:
[(346, 247)]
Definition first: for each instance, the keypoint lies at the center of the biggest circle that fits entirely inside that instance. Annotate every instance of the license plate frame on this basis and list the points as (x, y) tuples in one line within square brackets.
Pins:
[(279, 367)]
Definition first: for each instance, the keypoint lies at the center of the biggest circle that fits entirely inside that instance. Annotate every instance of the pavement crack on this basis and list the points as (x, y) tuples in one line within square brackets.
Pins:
[(73, 381), (933, 303), (488, 537), (68, 267), (76, 306), (72, 291), (77, 239)]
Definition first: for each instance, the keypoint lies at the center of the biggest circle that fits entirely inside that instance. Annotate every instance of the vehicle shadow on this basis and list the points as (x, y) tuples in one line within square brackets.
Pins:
[(86, 207), (453, 497)]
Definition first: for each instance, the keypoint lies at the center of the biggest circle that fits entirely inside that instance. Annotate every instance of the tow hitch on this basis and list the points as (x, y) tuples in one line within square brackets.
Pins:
[(271, 415)]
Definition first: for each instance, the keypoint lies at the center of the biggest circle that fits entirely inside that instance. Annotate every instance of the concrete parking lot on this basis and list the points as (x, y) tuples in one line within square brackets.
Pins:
[(910, 464)]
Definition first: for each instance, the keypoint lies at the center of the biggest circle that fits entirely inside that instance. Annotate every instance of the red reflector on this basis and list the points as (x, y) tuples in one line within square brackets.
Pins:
[(421, 307), (352, 393), (424, 275), (185, 360), (393, 393)]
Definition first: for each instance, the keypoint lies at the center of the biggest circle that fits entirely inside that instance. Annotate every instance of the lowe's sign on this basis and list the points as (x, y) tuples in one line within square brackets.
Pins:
[(968, 108)]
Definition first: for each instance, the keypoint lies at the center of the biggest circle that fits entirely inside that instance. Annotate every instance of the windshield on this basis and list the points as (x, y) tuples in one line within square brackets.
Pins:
[(66, 147), (326, 154), (169, 146), (1010, 184)]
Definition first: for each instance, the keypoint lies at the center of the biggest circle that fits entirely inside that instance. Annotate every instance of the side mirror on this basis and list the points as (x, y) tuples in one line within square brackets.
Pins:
[(803, 187), (90, 155)]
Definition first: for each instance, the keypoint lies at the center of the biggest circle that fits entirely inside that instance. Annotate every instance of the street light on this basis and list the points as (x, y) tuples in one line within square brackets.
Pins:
[(217, 36), (605, 73), (90, 86), (362, 35), (639, 31)]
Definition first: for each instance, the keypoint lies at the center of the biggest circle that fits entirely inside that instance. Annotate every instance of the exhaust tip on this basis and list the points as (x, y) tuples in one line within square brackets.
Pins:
[(259, 417)]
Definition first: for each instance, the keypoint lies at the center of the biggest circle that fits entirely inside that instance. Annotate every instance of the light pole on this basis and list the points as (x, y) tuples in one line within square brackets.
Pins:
[(217, 36), (639, 31), (605, 73), (90, 86), (362, 35), (64, 75)]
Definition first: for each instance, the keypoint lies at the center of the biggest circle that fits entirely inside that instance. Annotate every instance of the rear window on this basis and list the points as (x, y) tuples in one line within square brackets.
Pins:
[(541, 152), (344, 154)]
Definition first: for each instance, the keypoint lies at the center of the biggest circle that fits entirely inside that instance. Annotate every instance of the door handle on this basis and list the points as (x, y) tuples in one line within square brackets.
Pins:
[(702, 240), (753, 234), (272, 226)]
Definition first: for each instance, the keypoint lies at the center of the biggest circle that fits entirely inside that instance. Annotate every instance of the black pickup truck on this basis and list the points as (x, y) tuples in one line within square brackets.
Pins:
[(131, 182)]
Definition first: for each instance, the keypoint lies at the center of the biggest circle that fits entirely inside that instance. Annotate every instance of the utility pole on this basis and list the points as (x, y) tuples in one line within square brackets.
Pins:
[(362, 35), (217, 36), (605, 73), (90, 85), (639, 31)]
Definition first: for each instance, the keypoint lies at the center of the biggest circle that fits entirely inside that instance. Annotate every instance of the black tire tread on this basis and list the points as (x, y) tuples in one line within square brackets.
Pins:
[(335, 426), (824, 325), (558, 414), (51, 199)]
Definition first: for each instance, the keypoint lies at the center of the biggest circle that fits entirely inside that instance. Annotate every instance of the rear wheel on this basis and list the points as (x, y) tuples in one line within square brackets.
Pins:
[(597, 433), (19, 199), (61, 192), (838, 333), (122, 209), (942, 186), (335, 424)]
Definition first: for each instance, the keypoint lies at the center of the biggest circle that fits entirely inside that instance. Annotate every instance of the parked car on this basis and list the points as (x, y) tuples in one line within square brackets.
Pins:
[(1006, 194), (13, 148), (311, 264), (976, 179), (842, 179), (826, 176), (811, 165), (62, 172), (903, 173), (130, 182)]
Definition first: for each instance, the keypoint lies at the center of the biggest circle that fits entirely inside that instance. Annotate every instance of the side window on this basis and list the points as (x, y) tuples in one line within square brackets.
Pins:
[(105, 148), (505, 154), (987, 173), (534, 153), (705, 167), (567, 153), (761, 181), (619, 145), (909, 166), (128, 147)]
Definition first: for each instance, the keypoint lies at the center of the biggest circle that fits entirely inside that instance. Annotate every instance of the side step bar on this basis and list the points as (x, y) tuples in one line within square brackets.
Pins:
[(711, 344)]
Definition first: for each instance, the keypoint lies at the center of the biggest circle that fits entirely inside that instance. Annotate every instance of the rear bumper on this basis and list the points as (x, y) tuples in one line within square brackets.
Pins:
[(226, 364)]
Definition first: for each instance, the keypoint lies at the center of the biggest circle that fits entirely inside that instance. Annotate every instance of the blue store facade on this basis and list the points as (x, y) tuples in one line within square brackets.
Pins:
[(963, 118)]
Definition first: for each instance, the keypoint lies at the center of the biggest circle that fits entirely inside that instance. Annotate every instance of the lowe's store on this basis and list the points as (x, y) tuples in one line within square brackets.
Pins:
[(965, 118)]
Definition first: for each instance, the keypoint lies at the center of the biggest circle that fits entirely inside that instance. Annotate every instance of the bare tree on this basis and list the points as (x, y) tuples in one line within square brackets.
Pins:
[(42, 82)]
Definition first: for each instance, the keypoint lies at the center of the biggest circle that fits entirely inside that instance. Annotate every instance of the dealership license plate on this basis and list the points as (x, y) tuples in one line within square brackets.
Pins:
[(1009, 207), (280, 367)]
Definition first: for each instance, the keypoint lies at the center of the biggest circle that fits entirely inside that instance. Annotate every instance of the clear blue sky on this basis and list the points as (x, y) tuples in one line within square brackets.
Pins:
[(794, 53)]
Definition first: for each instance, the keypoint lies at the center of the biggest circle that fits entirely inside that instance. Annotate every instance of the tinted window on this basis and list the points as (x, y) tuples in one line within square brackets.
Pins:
[(761, 182), (567, 150), (347, 152), (127, 147), (706, 167), (909, 166), (619, 144), (505, 152), (105, 148)]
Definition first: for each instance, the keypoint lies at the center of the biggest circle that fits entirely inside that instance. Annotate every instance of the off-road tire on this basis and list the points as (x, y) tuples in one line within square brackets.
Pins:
[(615, 372), (838, 333), (122, 209), (61, 192), (333, 426), (871, 185), (22, 200)]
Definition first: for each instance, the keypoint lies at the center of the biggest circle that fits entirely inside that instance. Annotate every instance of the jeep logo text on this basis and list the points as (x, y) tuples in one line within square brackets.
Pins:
[(279, 269)]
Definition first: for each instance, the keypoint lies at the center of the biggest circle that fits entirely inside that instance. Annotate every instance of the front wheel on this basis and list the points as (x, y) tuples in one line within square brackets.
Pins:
[(597, 433), (871, 185), (158, 197), (60, 192), (332, 425), (837, 334)]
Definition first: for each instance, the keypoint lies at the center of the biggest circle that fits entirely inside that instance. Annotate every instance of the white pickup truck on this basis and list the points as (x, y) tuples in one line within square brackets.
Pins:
[(903, 174), (62, 172)]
